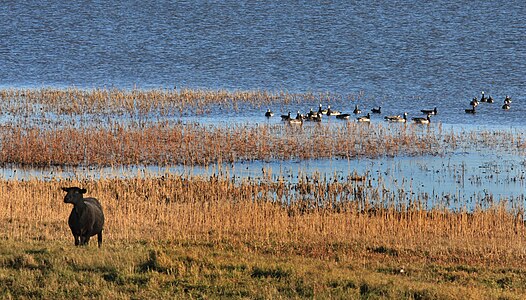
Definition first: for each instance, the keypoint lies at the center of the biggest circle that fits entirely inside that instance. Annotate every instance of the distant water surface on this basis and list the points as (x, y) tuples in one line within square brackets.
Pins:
[(400, 54)]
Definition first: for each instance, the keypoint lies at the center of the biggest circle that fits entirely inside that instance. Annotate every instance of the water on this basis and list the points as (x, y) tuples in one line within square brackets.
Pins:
[(443, 50)]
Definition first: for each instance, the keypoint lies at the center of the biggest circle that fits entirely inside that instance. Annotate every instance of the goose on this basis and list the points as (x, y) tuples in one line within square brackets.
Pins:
[(286, 117), (506, 106), (429, 111), (483, 98), (310, 114), (364, 118), (269, 113), (490, 99), (356, 110), (375, 110), (316, 117), (474, 102), (331, 112), (321, 110), (343, 116), (297, 120), (507, 99), (470, 110), (396, 118), (422, 120)]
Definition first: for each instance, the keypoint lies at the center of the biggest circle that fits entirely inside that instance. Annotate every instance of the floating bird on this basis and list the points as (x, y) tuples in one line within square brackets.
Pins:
[(474, 102), (297, 120), (375, 110), (343, 116), (356, 110), (490, 99), (269, 113), (483, 98), (426, 120), (364, 118), (321, 110), (397, 118), (506, 106), (286, 117), (331, 112), (470, 110), (429, 111), (316, 117)]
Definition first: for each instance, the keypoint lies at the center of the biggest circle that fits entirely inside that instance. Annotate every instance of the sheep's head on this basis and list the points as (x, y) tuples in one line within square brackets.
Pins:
[(73, 195)]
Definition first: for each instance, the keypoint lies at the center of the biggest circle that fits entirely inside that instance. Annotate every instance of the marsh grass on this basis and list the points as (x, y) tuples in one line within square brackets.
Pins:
[(166, 143)]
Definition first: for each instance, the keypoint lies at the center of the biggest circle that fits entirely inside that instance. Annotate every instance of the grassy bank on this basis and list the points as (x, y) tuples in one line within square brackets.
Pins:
[(58, 270)]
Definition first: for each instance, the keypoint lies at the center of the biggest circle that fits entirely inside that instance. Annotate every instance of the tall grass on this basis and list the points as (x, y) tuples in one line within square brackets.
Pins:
[(193, 144), (315, 217)]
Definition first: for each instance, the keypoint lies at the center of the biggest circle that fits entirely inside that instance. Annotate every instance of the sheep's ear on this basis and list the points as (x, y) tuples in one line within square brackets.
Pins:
[(83, 191), (65, 189)]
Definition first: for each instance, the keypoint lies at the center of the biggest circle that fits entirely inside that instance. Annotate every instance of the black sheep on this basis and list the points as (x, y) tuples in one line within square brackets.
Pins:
[(86, 218)]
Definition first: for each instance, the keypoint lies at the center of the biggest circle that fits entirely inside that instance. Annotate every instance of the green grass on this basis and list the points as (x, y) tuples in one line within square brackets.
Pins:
[(58, 270)]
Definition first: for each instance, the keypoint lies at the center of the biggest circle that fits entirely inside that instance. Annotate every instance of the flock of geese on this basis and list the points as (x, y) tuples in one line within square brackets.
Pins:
[(483, 99), (316, 116)]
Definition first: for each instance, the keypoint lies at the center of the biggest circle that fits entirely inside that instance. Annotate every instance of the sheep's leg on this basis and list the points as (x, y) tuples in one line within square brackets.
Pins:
[(84, 240), (77, 242), (99, 238)]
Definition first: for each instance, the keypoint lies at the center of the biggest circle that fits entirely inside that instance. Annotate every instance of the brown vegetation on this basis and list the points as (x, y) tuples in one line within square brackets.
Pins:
[(314, 216)]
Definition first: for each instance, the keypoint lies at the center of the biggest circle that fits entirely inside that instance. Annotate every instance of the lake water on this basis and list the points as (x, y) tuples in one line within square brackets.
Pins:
[(441, 53), (400, 55)]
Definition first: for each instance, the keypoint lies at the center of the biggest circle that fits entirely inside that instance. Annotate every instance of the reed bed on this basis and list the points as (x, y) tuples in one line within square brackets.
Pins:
[(311, 217), (162, 101), (194, 144)]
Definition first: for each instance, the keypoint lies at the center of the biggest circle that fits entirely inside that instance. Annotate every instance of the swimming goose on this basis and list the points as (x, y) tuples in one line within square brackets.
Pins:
[(316, 117), (286, 117), (429, 111), (297, 120), (356, 110), (321, 110), (474, 102), (470, 110), (343, 116), (422, 120), (506, 106), (397, 118), (483, 98), (375, 110), (490, 99), (269, 113), (331, 112), (364, 118), (310, 114), (507, 99)]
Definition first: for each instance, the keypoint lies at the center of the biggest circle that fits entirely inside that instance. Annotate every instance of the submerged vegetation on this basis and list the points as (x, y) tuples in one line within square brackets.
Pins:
[(223, 237)]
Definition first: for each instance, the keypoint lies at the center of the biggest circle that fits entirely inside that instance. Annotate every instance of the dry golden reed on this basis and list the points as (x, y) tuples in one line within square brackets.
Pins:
[(315, 216), (163, 101), (193, 144)]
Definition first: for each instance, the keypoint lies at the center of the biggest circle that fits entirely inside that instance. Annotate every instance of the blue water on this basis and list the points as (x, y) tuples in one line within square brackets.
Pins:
[(446, 49)]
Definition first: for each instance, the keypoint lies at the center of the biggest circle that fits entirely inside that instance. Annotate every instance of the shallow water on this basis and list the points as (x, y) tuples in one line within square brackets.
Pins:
[(460, 179)]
